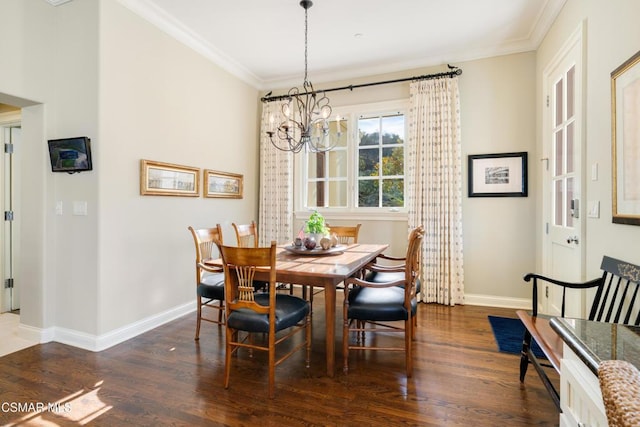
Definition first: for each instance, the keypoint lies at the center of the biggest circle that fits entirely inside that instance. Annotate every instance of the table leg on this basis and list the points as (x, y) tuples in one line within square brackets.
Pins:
[(330, 314)]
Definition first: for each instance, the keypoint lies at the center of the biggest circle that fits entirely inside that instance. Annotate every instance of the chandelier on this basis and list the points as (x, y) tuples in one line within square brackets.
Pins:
[(305, 114)]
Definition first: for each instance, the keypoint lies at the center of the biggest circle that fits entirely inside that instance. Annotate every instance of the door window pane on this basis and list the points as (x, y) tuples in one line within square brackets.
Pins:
[(559, 103), (571, 76), (559, 151), (570, 147)]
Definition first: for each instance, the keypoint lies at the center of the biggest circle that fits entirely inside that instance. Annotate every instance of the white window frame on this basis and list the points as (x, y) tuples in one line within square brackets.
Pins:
[(351, 113)]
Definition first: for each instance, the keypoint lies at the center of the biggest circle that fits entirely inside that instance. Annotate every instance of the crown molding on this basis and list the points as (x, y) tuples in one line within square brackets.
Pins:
[(545, 20)]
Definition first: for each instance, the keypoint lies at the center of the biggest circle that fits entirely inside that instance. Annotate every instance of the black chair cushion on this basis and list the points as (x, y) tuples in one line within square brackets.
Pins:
[(289, 311), (212, 286), (379, 304), (382, 277)]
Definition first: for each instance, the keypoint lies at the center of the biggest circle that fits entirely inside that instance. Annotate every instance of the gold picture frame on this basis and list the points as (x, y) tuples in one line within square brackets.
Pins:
[(625, 141), (168, 179), (222, 184)]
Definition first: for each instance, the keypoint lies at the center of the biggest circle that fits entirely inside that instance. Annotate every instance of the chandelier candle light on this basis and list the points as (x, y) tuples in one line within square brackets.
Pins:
[(306, 114)]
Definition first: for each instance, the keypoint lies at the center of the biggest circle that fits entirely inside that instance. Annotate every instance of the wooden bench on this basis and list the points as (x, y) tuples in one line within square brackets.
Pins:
[(616, 301)]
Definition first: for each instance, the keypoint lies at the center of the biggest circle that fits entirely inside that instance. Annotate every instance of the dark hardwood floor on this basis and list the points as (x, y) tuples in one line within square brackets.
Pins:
[(164, 377)]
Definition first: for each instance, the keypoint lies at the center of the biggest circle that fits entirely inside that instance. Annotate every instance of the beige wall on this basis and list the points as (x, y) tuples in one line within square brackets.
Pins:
[(162, 101)]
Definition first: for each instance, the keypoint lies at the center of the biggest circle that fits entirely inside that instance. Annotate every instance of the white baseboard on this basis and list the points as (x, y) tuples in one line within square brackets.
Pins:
[(497, 301), (104, 341)]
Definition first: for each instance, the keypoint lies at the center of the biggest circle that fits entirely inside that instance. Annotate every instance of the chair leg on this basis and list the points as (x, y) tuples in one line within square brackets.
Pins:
[(408, 339), (272, 363), (227, 357), (524, 356), (220, 311), (308, 338), (345, 343), (198, 320)]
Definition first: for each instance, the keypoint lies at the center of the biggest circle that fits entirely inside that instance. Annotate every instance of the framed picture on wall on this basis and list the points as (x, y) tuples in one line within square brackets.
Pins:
[(167, 179), (222, 184), (498, 175), (625, 141)]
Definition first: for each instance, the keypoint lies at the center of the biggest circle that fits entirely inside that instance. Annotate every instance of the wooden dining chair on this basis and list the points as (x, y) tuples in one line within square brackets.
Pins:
[(345, 234), (246, 234), (263, 313), (209, 280), (247, 237), (378, 307)]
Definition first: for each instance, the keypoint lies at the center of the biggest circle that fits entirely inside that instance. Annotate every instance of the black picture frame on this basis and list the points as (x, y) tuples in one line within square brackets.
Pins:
[(498, 175)]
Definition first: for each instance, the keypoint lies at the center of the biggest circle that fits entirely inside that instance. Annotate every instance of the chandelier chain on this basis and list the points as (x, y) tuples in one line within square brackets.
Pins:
[(306, 31)]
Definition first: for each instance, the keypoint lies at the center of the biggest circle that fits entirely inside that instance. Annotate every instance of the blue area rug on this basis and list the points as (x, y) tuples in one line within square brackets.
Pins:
[(508, 333)]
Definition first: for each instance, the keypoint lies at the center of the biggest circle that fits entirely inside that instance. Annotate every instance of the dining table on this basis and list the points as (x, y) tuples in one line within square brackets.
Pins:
[(325, 269)]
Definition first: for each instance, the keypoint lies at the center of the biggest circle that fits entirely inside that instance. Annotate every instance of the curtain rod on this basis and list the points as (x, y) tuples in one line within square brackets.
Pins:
[(455, 71)]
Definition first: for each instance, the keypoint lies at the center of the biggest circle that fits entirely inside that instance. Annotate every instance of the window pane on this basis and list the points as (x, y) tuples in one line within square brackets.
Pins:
[(315, 194), (338, 194), (368, 161), (393, 161), (393, 192), (559, 150), (337, 163), (342, 141), (571, 75), (368, 195), (558, 205), (369, 131), (312, 165), (559, 103), (393, 129)]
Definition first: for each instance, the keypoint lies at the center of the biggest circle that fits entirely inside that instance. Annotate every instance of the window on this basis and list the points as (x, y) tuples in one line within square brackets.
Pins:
[(365, 170), (381, 161)]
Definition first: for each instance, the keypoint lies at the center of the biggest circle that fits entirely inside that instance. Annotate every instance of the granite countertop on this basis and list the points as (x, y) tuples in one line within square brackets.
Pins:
[(594, 342)]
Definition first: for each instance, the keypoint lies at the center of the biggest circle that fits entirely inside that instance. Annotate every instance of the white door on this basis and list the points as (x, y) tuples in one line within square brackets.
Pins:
[(9, 295), (564, 207)]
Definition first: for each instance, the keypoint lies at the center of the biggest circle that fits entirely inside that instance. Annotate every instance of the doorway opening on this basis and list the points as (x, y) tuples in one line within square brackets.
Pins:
[(10, 135)]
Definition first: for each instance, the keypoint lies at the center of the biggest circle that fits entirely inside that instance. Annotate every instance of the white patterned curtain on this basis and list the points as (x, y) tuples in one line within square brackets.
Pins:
[(275, 220), (435, 186)]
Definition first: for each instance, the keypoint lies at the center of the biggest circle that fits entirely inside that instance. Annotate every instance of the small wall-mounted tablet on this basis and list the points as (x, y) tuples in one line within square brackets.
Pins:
[(70, 154)]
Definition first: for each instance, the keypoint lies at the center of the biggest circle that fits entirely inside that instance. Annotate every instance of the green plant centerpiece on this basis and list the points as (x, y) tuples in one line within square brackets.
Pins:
[(315, 224), (315, 230)]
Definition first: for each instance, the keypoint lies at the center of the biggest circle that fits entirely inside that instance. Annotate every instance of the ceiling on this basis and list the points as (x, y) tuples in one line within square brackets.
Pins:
[(262, 41)]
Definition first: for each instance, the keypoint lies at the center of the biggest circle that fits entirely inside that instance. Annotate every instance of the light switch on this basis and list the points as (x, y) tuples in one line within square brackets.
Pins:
[(59, 207), (593, 209), (594, 171), (79, 208)]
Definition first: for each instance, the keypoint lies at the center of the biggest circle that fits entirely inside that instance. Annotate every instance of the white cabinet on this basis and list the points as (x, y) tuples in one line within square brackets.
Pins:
[(580, 396)]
